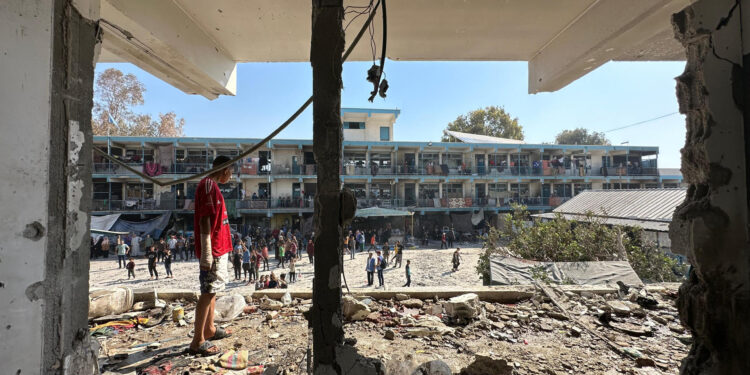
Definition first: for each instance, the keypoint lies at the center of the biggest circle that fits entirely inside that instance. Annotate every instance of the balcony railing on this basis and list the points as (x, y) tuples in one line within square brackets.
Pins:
[(308, 203), (349, 169)]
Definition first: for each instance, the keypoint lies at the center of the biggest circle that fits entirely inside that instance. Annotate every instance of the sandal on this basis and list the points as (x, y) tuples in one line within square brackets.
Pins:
[(206, 349), (220, 334)]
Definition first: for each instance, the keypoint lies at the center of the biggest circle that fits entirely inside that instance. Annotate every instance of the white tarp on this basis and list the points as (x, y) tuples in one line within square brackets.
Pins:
[(104, 222), (510, 270), (477, 217)]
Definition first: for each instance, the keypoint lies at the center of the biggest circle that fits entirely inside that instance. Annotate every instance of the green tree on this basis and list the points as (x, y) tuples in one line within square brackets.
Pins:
[(492, 121), (115, 95), (581, 136)]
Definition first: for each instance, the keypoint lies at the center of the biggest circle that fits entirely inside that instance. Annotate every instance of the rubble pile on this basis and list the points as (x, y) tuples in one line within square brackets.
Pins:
[(554, 332)]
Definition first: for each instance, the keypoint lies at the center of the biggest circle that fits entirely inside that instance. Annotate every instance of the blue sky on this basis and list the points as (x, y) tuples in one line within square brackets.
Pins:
[(431, 94)]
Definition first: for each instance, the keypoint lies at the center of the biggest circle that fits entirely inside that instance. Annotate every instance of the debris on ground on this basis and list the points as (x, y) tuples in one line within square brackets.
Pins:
[(629, 331)]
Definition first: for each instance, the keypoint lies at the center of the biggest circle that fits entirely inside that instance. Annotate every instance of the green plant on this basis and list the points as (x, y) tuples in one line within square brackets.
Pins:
[(539, 273), (588, 239)]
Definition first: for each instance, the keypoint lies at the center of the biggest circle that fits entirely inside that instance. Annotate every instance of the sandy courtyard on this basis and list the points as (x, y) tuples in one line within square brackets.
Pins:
[(429, 267)]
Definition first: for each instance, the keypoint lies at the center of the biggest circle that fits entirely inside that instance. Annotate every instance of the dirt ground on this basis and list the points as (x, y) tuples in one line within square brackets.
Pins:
[(531, 337), (429, 267)]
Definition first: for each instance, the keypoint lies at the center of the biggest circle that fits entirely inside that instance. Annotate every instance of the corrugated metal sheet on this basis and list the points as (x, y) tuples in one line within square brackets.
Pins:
[(478, 138), (638, 204), (651, 225)]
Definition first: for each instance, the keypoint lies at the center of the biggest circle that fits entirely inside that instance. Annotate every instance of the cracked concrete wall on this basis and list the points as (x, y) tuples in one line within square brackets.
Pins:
[(46, 87), (711, 226)]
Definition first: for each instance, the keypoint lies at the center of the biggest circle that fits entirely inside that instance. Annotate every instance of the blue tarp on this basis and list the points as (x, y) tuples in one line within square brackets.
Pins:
[(154, 226)]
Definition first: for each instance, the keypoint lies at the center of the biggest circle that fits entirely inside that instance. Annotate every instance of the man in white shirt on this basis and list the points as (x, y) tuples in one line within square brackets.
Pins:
[(135, 244), (172, 244)]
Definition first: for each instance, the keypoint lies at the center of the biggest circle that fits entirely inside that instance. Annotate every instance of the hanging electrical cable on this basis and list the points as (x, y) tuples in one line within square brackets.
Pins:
[(375, 73), (258, 145)]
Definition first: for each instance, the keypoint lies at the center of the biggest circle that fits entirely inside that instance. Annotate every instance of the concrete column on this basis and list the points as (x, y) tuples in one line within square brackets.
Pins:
[(46, 88), (711, 226)]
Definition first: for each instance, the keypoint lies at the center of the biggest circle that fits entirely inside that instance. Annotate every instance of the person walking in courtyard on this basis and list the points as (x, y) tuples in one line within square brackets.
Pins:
[(282, 254), (373, 243), (408, 273), (451, 238), (398, 254), (211, 248), (131, 268), (292, 270), (152, 257), (443, 239), (148, 242), (370, 269), (380, 265), (122, 251), (246, 258), (168, 264), (237, 261), (311, 250), (264, 254), (386, 251), (456, 259)]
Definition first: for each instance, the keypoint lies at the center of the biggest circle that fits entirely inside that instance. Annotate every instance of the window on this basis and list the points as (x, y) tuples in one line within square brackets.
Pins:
[(650, 186), (496, 159), (521, 190), (358, 190), (497, 190), (382, 160), (354, 158), (385, 133), (380, 191), (354, 125), (101, 189), (428, 191), (453, 160), (578, 188), (453, 190)]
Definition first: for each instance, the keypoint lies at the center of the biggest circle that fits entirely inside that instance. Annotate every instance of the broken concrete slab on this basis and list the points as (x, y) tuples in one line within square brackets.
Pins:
[(465, 306), (353, 309)]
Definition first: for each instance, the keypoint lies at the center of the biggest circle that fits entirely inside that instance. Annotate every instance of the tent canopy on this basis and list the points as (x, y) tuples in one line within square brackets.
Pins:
[(377, 211)]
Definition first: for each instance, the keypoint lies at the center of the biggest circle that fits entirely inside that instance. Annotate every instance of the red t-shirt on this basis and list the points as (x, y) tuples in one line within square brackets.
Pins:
[(209, 202)]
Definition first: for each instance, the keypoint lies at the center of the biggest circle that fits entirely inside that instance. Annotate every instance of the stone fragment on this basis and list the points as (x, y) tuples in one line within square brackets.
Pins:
[(685, 339), (465, 306), (557, 315), (354, 310), (401, 297), (645, 362), (618, 307), (435, 367), (390, 334), (575, 331), (676, 328), (270, 304), (483, 365), (489, 307), (546, 327), (412, 303), (272, 315), (373, 316), (274, 335), (631, 329), (434, 310)]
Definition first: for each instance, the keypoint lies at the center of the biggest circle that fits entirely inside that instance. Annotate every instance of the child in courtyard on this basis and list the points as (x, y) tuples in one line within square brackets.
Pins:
[(292, 270), (168, 263), (408, 273), (131, 268)]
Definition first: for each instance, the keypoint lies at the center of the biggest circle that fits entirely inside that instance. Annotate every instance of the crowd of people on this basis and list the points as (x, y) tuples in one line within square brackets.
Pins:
[(251, 254)]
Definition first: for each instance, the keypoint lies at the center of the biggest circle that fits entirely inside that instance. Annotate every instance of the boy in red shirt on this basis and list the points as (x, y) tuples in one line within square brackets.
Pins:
[(212, 244)]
